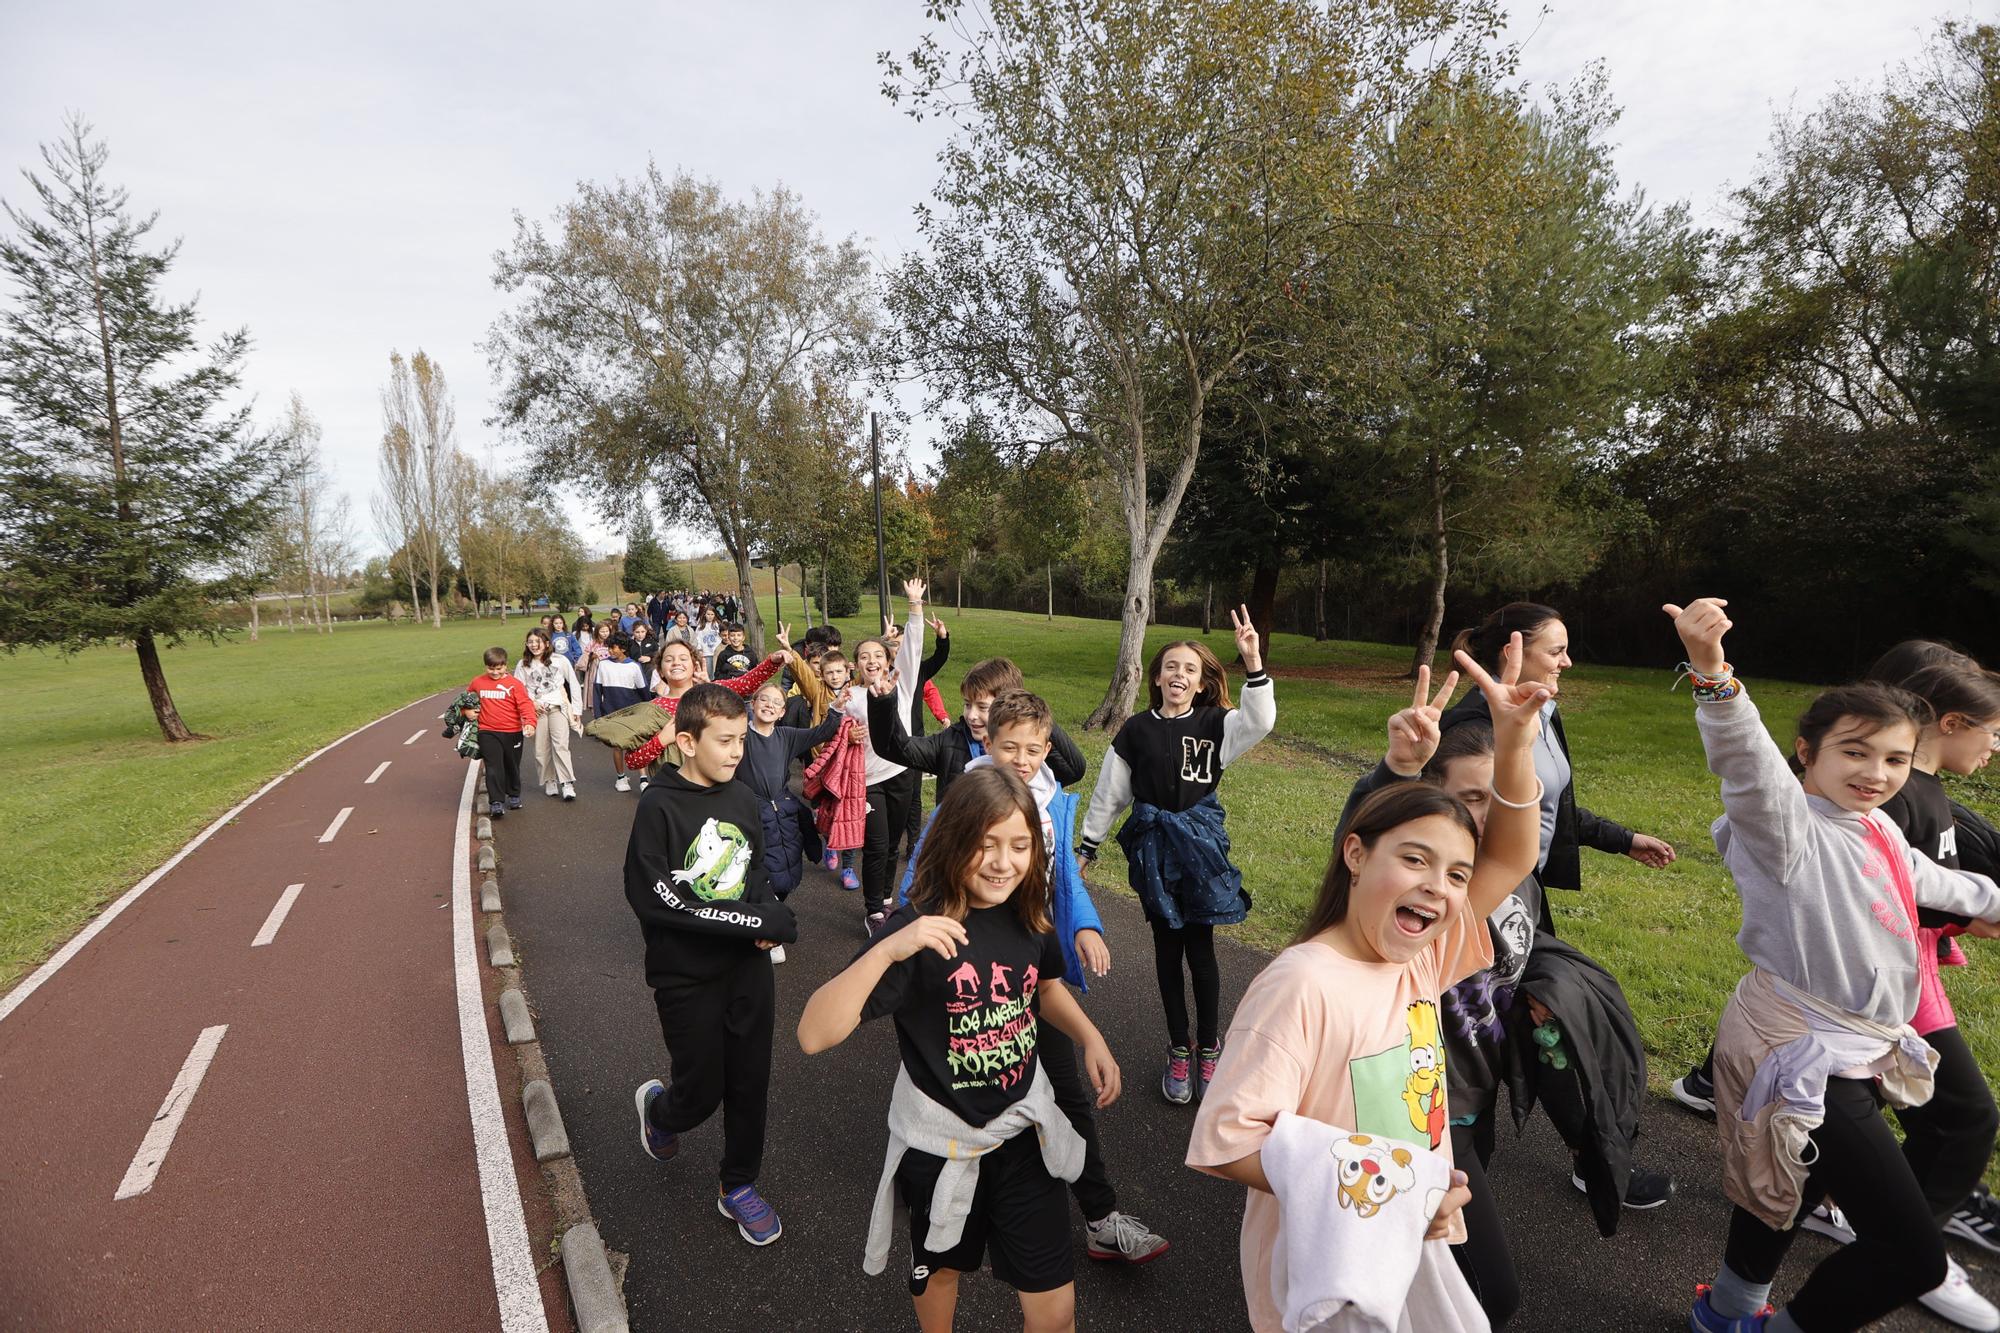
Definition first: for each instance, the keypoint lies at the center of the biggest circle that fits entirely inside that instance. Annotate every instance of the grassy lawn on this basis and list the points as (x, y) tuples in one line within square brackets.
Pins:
[(100, 799)]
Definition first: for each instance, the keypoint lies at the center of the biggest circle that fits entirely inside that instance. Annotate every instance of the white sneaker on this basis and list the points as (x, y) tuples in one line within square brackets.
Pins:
[(548, 789), (645, 782), (1956, 1301), (1829, 1221), (568, 791), (623, 784), (777, 953)]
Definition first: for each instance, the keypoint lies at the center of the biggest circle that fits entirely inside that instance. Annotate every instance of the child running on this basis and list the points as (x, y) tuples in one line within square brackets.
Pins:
[(1165, 763), (1817, 1036), (891, 787), (694, 876), (1342, 1027), (977, 1143), (505, 715)]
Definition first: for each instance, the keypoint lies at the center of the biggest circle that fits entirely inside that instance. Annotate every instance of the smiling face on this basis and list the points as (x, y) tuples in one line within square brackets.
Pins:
[(1021, 746), (1406, 888), (1545, 656), (1003, 860), (975, 715), (677, 665), (1859, 765), (1179, 679), (1963, 744), (538, 644), (871, 659), (768, 705)]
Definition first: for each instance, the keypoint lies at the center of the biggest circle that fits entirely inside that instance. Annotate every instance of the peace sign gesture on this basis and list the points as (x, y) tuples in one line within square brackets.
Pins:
[(1516, 708), (1248, 647), (1414, 733), (784, 634), (938, 627)]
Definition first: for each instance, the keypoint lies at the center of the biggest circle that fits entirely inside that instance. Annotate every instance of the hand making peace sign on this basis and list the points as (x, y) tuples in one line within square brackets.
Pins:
[(1414, 733), (1248, 646), (1516, 708)]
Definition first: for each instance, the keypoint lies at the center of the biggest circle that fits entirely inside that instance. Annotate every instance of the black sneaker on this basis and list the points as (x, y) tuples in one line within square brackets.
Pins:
[(1694, 1091), (1643, 1189), (1977, 1220)]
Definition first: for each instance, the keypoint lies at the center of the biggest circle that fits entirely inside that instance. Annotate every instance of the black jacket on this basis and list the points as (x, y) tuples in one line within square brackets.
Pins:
[(926, 669), (1576, 827), (947, 753)]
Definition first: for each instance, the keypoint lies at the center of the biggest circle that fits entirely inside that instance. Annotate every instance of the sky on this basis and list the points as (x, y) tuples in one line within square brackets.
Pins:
[(341, 176)]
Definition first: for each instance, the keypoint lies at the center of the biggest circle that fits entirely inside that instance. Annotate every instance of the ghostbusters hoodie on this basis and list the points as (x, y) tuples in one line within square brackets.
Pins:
[(694, 876)]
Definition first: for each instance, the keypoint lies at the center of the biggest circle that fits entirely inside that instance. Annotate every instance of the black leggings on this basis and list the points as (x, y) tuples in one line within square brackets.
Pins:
[(1092, 1190), (1948, 1139), (1898, 1251), (1195, 945), (1484, 1258), (888, 818)]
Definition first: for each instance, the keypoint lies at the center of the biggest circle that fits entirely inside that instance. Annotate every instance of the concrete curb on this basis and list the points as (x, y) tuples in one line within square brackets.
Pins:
[(499, 949), (489, 895), (545, 1126), (483, 830), (514, 1017), (488, 862), (593, 1290)]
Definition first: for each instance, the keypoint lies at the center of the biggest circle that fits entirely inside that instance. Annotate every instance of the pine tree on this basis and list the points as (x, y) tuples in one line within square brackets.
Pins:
[(646, 566), (125, 485)]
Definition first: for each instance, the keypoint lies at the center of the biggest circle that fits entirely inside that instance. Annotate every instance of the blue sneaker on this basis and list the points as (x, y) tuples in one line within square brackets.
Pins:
[(659, 1145), (1704, 1318), (849, 880), (832, 859), (513, 803), (1176, 1083), (755, 1221)]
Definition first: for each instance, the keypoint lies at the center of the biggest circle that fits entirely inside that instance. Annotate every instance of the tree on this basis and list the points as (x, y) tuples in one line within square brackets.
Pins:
[(307, 513), (1131, 194), (653, 332), (965, 495), (647, 569), (126, 485), (807, 500), (419, 424)]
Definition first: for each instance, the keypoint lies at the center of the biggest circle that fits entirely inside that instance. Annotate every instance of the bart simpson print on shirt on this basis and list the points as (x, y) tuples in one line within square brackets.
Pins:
[(1399, 1092), (1423, 1093)]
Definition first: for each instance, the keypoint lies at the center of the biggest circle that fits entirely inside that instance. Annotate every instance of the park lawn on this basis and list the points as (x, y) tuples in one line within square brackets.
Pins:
[(99, 800)]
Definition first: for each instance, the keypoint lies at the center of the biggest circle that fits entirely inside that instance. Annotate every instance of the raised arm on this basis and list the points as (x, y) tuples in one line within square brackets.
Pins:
[(751, 681), (939, 655), (1513, 839), (1256, 710), (890, 734), (1414, 735)]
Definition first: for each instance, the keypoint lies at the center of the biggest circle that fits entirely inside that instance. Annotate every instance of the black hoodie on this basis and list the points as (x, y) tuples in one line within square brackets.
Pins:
[(694, 875), (946, 754)]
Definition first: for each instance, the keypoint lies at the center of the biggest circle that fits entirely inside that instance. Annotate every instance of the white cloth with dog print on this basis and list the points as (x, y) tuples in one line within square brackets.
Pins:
[(1351, 1244)]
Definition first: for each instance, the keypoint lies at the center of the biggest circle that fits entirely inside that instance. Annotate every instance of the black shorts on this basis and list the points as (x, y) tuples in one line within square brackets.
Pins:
[(1020, 1215)]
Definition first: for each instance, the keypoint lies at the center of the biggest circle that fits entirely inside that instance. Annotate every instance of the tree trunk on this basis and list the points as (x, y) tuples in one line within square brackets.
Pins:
[(326, 605), (1052, 589), (1207, 608), (253, 617), (1427, 639), (155, 676), (825, 612), (1264, 605), (753, 621), (1319, 606), (1119, 697), (416, 602), (437, 614), (959, 577), (289, 626)]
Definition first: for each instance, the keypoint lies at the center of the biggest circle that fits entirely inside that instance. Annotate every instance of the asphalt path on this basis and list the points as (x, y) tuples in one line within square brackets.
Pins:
[(561, 866)]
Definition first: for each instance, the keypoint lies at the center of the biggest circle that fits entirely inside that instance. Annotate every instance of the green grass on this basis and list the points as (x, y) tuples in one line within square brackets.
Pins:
[(99, 799)]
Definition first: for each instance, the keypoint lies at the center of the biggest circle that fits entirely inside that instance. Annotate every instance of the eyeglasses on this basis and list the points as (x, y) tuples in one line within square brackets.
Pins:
[(1992, 736)]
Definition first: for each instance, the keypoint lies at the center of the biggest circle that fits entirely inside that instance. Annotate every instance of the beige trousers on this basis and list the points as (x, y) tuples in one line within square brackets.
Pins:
[(553, 736)]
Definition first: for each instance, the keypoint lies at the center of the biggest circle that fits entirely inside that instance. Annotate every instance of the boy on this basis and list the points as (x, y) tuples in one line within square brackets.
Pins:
[(947, 753), (694, 876), (734, 659), (620, 683), (505, 714)]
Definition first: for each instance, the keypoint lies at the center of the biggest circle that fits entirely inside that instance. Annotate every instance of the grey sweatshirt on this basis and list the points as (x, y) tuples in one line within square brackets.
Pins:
[(1820, 908)]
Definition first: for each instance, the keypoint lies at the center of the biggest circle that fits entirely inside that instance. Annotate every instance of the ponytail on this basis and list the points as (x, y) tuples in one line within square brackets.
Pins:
[(1484, 641)]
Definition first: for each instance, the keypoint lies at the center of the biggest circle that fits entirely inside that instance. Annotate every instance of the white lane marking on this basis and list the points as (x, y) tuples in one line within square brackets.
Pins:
[(36, 979), (506, 1228), (160, 1134), (338, 820), (419, 736), (277, 917), (380, 769)]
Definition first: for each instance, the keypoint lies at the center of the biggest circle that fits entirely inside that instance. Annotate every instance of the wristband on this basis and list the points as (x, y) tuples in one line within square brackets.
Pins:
[(1710, 689), (1529, 804)]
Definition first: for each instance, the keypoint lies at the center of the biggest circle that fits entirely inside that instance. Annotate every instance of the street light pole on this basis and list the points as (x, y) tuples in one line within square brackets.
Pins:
[(875, 464)]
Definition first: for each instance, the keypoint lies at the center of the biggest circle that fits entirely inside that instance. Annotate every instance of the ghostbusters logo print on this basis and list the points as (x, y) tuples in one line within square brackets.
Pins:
[(990, 1026)]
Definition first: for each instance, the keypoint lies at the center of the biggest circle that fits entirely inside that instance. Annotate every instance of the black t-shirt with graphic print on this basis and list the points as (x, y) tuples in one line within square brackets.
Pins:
[(1922, 809), (1175, 761), (967, 1025)]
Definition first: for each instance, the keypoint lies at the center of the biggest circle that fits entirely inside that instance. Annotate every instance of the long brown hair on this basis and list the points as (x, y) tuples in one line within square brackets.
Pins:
[(976, 802), (1214, 691), (1393, 806)]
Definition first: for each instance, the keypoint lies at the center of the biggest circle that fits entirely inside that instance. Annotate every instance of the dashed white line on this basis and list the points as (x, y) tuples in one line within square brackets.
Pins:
[(338, 820), (419, 736), (380, 769), (277, 917), (160, 1134)]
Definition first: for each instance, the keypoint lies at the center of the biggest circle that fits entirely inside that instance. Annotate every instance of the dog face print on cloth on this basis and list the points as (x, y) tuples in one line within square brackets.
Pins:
[(1373, 1171), (1401, 1091)]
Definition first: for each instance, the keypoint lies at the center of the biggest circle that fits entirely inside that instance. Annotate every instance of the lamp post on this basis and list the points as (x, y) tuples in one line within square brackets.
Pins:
[(875, 465)]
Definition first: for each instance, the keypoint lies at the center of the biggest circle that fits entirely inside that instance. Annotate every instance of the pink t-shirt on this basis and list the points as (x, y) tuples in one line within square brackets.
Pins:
[(1351, 1044)]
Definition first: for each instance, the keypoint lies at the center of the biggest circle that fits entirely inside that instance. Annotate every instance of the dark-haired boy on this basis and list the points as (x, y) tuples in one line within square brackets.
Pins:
[(947, 753), (694, 876), (505, 715), (734, 659)]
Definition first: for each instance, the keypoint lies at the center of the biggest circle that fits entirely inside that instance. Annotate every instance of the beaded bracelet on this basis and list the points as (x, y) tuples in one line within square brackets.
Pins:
[(1528, 804), (1711, 689)]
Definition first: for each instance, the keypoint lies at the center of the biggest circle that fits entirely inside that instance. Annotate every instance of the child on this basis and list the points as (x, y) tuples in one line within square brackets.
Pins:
[(1342, 1026), (734, 659), (1817, 1035), (946, 754), (694, 876), (677, 677), (891, 787), (618, 683), (769, 750), (1165, 763), (552, 685), (708, 639), (564, 642), (596, 648), (967, 968), (506, 714)]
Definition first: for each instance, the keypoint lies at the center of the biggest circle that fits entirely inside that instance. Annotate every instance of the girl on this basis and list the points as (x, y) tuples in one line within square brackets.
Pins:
[(892, 788), (678, 632), (1165, 764), (768, 752), (645, 651), (558, 699), (708, 639), (595, 649), (563, 641), (1342, 1026), (968, 968), (1817, 1036), (678, 675)]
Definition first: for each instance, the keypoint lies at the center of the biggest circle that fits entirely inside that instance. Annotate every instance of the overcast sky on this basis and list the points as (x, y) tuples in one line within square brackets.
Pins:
[(342, 174)]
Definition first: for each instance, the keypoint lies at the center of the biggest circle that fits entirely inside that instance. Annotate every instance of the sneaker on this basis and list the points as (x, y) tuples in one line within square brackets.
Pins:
[(849, 880), (1955, 1300), (1175, 1084), (513, 803), (498, 811), (876, 921), (1204, 1068), (777, 953), (659, 1146), (831, 860), (1977, 1220), (644, 782), (1704, 1318), (622, 784), (755, 1221), (1643, 1189), (568, 792), (1829, 1221), (548, 789), (1694, 1091), (1124, 1237)]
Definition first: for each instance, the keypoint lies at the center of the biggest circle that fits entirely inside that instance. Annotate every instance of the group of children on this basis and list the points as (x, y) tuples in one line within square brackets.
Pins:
[(1355, 1088)]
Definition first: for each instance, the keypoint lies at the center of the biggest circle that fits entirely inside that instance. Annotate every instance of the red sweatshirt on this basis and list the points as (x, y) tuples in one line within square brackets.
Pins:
[(504, 704)]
